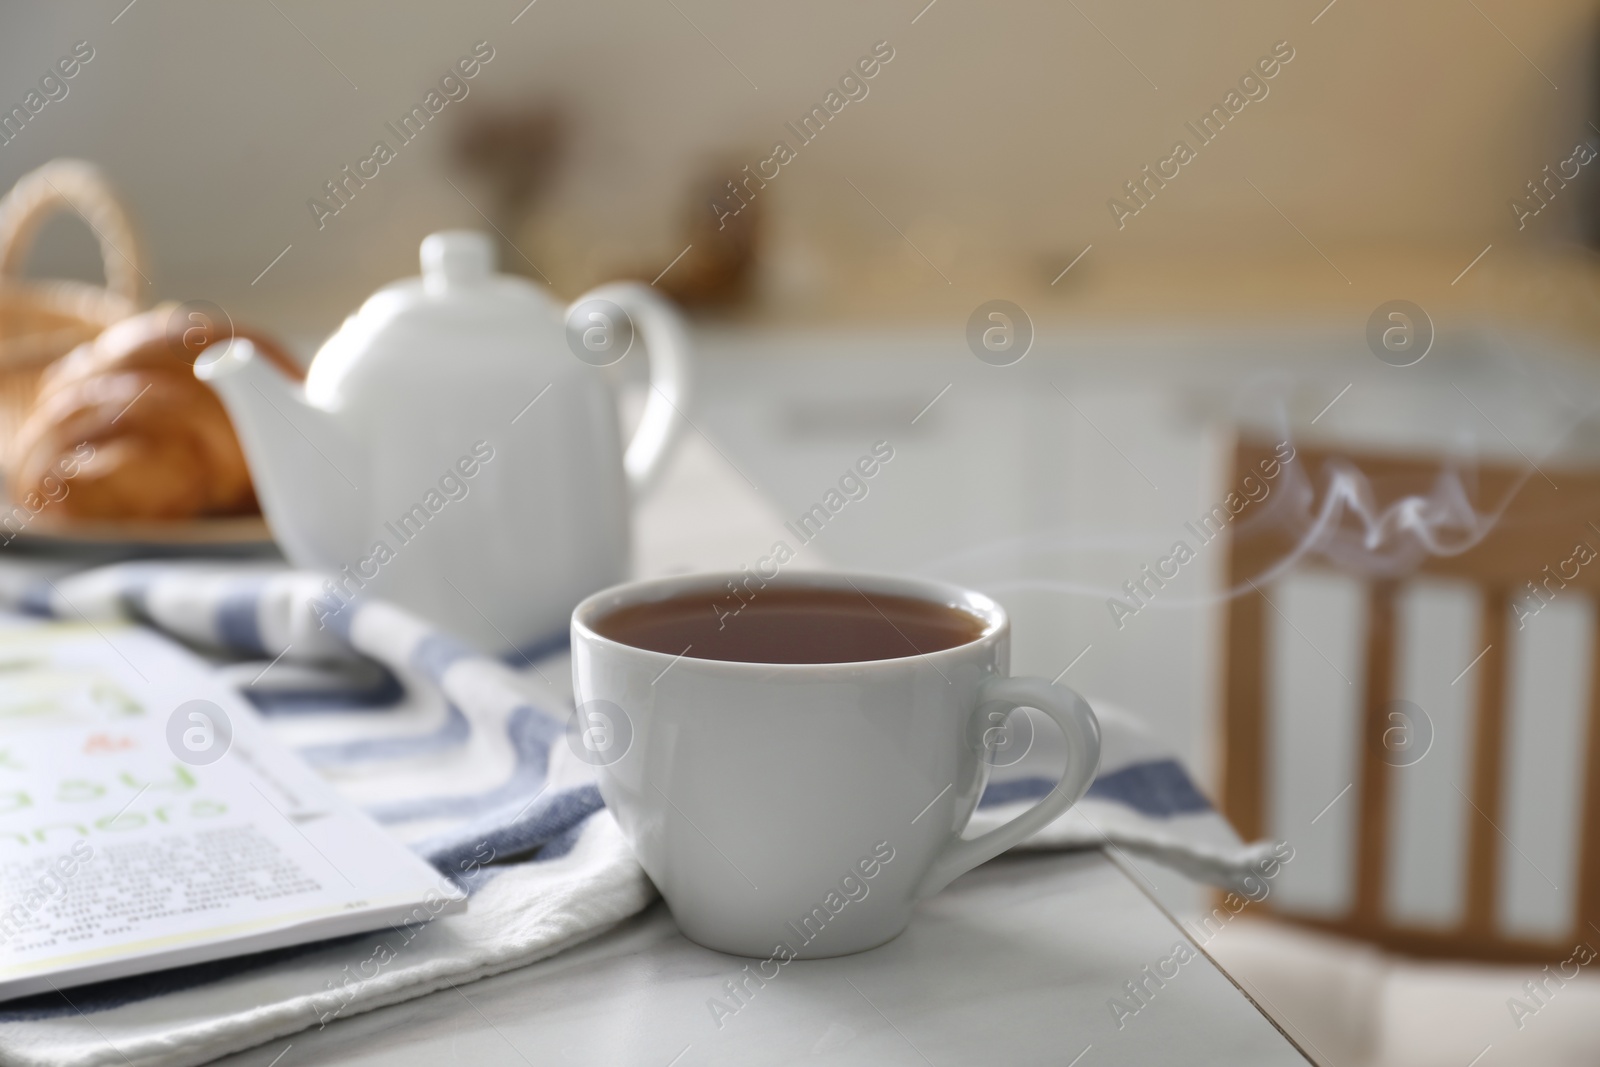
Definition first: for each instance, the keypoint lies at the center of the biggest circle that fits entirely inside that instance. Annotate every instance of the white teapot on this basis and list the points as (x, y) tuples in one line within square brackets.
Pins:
[(456, 448)]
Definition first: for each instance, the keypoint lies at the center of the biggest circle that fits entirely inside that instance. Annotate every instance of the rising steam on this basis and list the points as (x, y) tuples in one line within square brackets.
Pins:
[(1347, 528)]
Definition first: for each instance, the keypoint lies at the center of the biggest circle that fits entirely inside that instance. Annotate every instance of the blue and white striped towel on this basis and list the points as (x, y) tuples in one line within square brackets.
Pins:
[(463, 759)]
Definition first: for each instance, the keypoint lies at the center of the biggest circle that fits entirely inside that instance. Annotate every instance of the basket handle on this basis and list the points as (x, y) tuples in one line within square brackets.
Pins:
[(72, 185)]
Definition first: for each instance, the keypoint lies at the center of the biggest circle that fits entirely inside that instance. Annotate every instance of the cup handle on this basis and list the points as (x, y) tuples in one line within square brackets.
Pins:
[(667, 341), (1076, 719)]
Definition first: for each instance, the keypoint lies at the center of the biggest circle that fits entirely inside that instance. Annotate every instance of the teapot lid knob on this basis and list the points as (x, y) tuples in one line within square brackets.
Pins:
[(456, 257)]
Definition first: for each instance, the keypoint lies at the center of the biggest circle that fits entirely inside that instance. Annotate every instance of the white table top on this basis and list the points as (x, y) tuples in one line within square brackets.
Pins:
[(1015, 963)]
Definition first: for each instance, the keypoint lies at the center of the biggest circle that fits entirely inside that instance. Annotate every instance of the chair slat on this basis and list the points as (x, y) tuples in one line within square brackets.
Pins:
[(1589, 819), (1244, 746), (1488, 769), (1372, 820)]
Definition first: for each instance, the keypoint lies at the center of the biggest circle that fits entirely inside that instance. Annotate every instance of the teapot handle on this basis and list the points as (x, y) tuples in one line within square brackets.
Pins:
[(666, 340)]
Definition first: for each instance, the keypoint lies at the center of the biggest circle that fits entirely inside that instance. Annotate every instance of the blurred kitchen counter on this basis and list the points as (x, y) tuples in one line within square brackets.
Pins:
[(1555, 292)]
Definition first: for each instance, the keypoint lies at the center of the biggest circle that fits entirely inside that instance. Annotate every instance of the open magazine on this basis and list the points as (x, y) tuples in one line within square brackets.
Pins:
[(148, 820)]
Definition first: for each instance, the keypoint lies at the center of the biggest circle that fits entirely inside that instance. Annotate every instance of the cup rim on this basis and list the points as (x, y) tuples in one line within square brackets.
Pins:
[(947, 594)]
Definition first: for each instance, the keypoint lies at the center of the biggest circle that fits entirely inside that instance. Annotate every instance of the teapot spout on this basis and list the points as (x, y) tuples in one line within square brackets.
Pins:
[(305, 468)]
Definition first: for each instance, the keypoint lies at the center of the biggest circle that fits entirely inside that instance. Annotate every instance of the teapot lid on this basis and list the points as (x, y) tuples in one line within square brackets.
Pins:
[(456, 257), (460, 293), (458, 273)]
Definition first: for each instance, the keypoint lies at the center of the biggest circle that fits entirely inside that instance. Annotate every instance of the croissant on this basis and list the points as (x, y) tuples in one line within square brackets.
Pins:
[(122, 424)]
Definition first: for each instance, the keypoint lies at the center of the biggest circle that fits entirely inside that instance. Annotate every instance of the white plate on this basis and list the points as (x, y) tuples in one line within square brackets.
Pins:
[(233, 535)]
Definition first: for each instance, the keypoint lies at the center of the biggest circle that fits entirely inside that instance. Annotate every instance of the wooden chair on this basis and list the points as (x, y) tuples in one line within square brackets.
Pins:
[(1538, 526)]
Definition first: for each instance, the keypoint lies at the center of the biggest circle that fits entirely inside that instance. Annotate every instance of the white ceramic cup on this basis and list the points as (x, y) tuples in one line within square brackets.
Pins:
[(800, 810)]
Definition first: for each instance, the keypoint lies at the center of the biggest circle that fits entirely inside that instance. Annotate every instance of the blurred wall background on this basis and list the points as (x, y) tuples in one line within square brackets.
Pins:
[(992, 141)]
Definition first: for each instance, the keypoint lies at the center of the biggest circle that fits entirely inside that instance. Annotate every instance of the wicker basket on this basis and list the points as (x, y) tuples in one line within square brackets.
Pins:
[(41, 320)]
